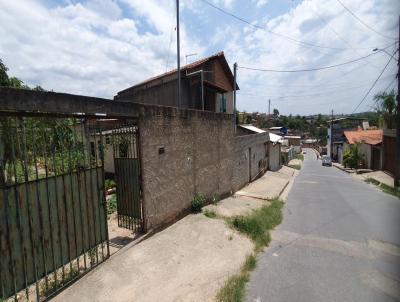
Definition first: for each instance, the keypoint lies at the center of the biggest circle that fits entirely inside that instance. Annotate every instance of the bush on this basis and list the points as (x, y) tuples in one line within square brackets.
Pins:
[(351, 157), (109, 184), (198, 202)]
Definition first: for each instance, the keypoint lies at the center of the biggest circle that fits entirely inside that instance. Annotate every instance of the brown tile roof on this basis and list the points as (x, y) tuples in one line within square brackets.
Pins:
[(371, 137), (219, 55)]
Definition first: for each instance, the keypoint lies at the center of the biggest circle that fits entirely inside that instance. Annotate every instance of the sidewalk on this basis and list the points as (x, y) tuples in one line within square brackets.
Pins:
[(188, 261), (380, 176)]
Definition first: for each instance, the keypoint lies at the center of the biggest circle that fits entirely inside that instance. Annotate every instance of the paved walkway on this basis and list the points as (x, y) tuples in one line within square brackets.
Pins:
[(188, 261)]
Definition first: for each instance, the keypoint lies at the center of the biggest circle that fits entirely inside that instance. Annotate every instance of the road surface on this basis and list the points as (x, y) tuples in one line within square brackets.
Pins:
[(339, 241)]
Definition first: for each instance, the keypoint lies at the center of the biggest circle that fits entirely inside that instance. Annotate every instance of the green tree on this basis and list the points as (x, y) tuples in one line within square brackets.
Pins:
[(385, 105), (351, 157), (276, 112)]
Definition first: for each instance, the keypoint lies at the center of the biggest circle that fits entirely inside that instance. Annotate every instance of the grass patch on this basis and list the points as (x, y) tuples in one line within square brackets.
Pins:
[(297, 167), (390, 190), (384, 187), (256, 226), (300, 156), (210, 213), (373, 181), (259, 222), (235, 287)]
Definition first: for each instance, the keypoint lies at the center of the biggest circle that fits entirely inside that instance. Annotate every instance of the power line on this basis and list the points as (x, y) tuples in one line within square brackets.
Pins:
[(309, 69), (362, 22), (318, 85), (303, 43), (317, 93), (373, 85)]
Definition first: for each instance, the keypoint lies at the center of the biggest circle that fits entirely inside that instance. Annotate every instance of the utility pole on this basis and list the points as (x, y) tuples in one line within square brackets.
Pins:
[(331, 137), (269, 108), (397, 159), (234, 94), (178, 53)]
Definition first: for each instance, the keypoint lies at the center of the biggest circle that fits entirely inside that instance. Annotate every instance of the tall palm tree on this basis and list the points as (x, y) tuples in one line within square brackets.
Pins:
[(385, 105)]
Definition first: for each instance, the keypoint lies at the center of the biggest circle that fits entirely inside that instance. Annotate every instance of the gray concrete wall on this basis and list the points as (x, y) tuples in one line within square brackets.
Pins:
[(197, 157), (274, 156), (249, 158)]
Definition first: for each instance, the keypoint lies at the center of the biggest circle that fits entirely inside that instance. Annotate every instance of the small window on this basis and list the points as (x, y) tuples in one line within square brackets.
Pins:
[(222, 103)]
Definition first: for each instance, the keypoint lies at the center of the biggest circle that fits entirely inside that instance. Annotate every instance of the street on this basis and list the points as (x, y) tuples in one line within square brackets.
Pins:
[(339, 241)]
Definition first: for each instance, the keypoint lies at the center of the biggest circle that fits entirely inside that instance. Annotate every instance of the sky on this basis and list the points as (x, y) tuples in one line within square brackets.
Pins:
[(99, 47)]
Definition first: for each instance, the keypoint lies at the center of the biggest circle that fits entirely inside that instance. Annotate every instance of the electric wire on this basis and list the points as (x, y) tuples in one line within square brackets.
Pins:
[(303, 43), (373, 85)]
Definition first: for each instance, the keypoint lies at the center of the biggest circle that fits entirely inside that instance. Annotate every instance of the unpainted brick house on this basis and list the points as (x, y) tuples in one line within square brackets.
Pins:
[(206, 84)]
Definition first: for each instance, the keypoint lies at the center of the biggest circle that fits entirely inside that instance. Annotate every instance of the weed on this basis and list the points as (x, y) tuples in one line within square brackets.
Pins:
[(230, 237), (210, 213), (300, 156), (112, 204), (53, 286), (390, 190), (234, 288), (257, 224), (297, 167), (198, 202), (372, 181), (214, 199), (384, 187)]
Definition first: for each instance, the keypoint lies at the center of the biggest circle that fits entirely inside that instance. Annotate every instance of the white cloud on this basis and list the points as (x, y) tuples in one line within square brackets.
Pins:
[(85, 48), (95, 48)]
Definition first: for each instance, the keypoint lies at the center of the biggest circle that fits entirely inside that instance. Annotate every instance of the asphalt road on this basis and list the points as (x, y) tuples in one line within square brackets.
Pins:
[(339, 241)]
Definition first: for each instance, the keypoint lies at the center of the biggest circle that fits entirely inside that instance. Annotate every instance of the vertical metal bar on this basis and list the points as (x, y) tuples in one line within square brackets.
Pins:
[(12, 260), (104, 198), (71, 145), (83, 134), (93, 196), (26, 166), (64, 198), (79, 170), (99, 148), (44, 150), (17, 204), (128, 176), (140, 177), (39, 205), (58, 207), (114, 145)]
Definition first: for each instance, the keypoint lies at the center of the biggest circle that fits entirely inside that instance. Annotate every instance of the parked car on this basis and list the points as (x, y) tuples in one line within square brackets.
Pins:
[(326, 161)]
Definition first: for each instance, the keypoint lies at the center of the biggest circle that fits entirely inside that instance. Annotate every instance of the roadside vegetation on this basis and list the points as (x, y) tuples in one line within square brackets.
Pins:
[(256, 226), (297, 167), (384, 187), (300, 157)]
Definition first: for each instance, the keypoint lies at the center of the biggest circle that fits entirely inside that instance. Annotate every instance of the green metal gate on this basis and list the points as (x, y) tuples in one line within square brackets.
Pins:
[(53, 221), (127, 175)]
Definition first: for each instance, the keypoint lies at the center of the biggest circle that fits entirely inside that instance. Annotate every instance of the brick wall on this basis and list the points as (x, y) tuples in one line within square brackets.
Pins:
[(183, 152)]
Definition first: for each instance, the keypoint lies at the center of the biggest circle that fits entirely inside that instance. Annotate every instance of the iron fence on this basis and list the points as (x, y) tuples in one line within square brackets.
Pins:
[(53, 215)]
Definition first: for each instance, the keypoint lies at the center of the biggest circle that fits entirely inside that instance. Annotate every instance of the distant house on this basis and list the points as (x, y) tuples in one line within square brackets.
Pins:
[(206, 84), (278, 130), (272, 146), (370, 146), (294, 141)]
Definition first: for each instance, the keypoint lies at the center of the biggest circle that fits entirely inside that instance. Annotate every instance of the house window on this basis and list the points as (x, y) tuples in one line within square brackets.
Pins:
[(222, 103)]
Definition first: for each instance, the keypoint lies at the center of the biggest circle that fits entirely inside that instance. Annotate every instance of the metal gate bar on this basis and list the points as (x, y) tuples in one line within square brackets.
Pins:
[(127, 174), (53, 222)]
